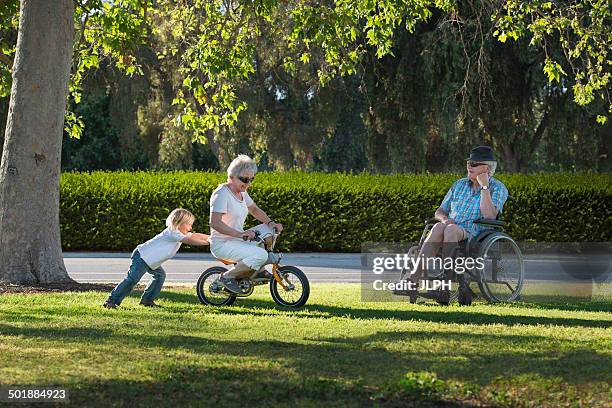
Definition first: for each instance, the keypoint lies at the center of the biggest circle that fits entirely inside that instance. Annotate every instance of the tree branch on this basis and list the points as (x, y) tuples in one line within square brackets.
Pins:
[(81, 6), (537, 136)]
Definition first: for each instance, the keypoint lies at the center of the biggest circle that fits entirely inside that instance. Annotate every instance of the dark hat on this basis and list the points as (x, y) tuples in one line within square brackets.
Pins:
[(482, 153)]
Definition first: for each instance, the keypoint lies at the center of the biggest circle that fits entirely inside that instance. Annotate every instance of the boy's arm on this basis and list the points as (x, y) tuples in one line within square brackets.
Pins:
[(196, 239), (203, 237)]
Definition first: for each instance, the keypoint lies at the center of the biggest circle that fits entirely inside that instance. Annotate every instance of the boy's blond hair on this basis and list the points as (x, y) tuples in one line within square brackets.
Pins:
[(177, 217)]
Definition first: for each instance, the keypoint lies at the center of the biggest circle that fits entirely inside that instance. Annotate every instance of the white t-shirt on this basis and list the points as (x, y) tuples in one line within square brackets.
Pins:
[(234, 211), (161, 247)]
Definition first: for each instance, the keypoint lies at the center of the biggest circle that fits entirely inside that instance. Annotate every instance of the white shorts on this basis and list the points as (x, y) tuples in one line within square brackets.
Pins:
[(247, 252)]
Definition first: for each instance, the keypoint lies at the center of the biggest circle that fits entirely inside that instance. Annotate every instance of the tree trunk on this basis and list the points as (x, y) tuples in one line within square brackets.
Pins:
[(30, 246), (508, 158)]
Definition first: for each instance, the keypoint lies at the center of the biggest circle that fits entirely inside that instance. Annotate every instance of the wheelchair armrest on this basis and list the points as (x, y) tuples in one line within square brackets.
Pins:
[(490, 222)]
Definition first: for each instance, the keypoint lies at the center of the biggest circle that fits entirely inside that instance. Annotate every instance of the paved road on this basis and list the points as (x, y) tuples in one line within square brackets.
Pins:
[(319, 267)]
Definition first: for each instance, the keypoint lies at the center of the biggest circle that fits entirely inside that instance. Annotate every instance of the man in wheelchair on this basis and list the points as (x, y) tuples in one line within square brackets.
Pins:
[(469, 199)]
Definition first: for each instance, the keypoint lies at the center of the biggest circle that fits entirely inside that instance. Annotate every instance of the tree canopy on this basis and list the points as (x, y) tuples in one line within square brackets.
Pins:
[(228, 73)]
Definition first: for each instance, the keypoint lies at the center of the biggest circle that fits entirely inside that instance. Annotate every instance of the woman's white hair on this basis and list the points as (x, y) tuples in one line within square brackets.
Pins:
[(492, 167), (241, 164)]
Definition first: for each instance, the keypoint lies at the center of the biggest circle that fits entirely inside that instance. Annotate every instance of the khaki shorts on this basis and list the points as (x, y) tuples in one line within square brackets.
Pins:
[(463, 237)]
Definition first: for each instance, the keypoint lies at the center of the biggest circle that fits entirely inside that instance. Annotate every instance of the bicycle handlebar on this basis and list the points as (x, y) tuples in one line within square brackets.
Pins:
[(259, 239)]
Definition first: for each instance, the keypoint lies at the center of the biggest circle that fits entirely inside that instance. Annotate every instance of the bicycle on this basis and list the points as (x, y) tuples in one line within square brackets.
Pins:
[(289, 286)]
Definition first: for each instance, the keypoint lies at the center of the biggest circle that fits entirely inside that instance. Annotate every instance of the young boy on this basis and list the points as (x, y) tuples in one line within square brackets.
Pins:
[(149, 256)]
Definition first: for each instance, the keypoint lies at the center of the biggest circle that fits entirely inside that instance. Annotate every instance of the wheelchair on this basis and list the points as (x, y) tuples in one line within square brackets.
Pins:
[(500, 279)]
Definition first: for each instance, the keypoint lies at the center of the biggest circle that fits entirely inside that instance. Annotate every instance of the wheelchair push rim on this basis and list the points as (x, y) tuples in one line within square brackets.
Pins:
[(502, 278), (294, 289), (205, 291)]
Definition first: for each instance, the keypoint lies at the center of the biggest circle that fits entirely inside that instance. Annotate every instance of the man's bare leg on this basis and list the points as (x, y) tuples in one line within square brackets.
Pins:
[(452, 235), (430, 248)]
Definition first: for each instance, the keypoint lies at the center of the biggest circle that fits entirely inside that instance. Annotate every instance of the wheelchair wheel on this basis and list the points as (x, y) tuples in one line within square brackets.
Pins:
[(502, 278), (209, 293), (298, 289)]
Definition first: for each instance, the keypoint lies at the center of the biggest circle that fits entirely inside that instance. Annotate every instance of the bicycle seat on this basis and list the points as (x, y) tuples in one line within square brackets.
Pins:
[(226, 262)]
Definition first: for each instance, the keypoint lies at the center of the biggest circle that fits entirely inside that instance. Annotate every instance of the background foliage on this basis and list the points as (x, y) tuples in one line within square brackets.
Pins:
[(324, 212), (340, 85)]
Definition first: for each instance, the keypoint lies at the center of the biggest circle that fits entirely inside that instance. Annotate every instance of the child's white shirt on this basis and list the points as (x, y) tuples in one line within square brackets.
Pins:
[(161, 247)]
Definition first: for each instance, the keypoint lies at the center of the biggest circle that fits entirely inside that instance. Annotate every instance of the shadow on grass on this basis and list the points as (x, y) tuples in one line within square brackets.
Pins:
[(332, 370), (528, 301), (372, 359), (569, 304), (437, 314), (192, 385)]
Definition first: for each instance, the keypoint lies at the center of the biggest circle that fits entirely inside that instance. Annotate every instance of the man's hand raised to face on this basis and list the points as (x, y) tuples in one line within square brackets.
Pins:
[(483, 179)]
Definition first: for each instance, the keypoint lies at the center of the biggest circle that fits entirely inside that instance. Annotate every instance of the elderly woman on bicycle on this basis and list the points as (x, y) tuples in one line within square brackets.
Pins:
[(230, 204)]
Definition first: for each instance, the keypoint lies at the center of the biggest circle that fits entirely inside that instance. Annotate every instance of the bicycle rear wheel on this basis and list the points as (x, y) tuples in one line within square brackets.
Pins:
[(209, 292)]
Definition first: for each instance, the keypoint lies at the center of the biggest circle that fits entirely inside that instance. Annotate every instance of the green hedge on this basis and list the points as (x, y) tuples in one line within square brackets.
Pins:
[(324, 212)]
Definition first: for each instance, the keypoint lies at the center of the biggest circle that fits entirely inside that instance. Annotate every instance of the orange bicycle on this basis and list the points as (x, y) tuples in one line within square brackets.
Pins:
[(289, 286)]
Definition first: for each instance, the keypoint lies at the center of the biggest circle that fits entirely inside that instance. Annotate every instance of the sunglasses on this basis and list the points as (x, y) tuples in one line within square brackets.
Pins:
[(246, 180), (475, 164)]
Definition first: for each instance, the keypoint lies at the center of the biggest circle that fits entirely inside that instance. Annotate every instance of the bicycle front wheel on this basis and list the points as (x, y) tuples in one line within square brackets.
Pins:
[(295, 288)]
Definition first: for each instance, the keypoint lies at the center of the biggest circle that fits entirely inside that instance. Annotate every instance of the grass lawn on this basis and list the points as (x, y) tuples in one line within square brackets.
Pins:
[(336, 351)]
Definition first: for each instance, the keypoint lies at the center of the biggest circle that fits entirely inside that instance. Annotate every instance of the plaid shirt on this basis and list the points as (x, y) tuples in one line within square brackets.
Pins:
[(462, 203)]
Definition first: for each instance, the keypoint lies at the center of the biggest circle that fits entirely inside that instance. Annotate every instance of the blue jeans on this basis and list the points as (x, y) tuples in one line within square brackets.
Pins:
[(138, 268)]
